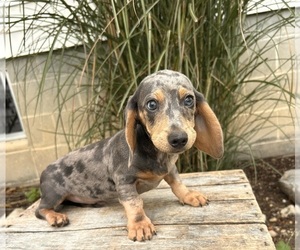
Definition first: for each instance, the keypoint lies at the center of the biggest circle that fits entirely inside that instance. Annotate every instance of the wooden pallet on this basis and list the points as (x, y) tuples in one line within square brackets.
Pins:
[(233, 220)]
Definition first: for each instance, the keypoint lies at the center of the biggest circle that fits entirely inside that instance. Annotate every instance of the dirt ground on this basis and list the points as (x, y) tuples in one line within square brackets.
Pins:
[(264, 184), (271, 199)]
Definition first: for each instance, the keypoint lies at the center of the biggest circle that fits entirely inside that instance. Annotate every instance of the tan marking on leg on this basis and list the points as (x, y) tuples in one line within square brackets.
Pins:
[(186, 196), (139, 225), (53, 218)]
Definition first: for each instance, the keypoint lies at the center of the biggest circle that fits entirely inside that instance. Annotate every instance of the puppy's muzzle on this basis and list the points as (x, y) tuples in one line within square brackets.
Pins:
[(178, 140)]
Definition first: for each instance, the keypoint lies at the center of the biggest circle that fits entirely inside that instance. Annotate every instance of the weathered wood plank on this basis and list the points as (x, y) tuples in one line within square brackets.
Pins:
[(233, 220), (168, 237), (160, 212), (211, 178), (161, 206), (241, 191)]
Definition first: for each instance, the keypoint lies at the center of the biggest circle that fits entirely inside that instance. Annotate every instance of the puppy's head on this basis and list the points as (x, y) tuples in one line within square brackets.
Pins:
[(174, 114)]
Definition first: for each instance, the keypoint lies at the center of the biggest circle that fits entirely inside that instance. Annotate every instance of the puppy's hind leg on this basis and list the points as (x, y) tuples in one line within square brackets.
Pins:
[(50, 200)]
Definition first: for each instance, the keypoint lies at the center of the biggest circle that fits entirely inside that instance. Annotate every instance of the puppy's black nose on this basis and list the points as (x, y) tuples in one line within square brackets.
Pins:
[(178, 139)]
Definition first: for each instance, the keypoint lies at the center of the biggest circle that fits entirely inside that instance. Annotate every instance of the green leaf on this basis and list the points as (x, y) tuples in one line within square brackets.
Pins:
[(33, 194), (281, 245)]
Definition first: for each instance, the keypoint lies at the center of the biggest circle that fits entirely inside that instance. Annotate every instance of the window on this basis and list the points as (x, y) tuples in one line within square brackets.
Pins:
[(13, 123)]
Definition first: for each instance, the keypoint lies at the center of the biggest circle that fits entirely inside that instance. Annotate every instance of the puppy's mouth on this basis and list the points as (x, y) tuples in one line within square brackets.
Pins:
[(177, 151), (170, 149)]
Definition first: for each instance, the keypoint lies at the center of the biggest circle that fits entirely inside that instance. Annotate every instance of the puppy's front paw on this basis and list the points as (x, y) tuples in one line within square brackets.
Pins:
[(140, 229), (195, 199), (57, 219)]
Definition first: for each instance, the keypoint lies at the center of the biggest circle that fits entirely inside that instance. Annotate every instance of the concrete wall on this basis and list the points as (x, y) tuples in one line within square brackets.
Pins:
[(27, 158), (277, 136)]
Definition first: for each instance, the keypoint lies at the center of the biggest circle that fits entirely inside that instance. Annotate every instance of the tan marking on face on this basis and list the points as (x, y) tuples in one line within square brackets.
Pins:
[(142, 117), (159, 133), (182, 92), (162, 129), (160, 123), (188, 127), (159, 95)]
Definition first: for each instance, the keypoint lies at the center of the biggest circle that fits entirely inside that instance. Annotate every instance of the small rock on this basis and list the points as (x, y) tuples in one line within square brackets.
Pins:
[(287, 211), (273, 219), (273, 233), (288, 185), (276, 229), (283, 232)]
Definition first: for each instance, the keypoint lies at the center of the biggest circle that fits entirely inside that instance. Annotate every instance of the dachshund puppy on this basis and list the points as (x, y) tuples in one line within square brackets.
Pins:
[(164, 117)]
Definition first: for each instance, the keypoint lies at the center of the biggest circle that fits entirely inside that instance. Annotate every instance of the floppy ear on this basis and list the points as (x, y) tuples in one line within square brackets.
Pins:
[(209, 132), (130, 123)]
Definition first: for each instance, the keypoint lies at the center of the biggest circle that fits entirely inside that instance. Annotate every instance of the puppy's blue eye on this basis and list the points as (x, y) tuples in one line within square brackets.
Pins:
[(189, 101), (152, 105)]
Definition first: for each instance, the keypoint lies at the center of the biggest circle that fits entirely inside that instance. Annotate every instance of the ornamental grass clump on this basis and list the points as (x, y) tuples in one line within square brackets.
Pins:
[(108, 47)]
